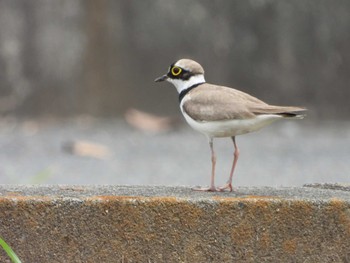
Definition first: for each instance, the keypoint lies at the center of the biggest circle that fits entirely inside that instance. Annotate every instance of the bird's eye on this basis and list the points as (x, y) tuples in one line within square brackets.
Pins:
[(176, 71)]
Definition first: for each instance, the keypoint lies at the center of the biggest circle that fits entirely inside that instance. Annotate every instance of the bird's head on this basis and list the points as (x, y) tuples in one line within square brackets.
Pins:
[(183, 74)]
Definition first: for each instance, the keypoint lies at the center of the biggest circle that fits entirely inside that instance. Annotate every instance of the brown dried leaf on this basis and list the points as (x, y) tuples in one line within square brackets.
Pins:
[(148, 122)]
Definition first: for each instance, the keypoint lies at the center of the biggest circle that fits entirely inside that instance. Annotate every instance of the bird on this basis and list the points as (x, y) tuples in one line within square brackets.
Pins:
[(218, 111)]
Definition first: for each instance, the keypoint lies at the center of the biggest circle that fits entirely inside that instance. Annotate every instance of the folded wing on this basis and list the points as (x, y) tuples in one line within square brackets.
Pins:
[(214, 103)]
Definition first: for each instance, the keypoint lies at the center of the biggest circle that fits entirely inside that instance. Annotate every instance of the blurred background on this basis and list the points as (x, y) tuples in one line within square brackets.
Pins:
[(78, 102)]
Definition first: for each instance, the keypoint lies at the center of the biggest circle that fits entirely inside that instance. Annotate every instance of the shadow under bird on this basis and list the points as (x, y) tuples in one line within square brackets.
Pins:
[(218, 111)]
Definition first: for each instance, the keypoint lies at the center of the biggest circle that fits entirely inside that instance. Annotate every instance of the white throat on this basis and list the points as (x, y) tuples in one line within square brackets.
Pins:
[(181, 84)]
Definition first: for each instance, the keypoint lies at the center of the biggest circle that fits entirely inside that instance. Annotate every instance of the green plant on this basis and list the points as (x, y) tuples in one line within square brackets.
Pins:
[(9, 251), (41, 177)]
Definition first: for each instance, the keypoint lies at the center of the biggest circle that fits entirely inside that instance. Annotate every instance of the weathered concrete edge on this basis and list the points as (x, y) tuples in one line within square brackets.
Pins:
[(314, 192), (175, 224)]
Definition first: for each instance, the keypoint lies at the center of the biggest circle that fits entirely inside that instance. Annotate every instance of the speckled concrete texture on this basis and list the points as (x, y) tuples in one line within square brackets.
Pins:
[(175, 224)]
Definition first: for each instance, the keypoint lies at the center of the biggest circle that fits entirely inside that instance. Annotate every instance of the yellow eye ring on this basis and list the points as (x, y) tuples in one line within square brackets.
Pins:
[(176, 71)]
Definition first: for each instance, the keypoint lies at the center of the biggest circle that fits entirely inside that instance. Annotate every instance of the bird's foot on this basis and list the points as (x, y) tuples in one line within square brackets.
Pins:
[(225, 187), (205, 189)]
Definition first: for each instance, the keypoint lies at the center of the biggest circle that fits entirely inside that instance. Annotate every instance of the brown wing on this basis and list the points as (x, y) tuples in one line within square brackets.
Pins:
[(213, 103)]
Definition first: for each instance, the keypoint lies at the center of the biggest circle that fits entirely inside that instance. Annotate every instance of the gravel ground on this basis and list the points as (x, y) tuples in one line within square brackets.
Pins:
[(289, 153)]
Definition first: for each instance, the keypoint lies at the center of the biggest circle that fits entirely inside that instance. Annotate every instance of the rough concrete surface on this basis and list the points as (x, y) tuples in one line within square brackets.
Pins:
[(175, 224)]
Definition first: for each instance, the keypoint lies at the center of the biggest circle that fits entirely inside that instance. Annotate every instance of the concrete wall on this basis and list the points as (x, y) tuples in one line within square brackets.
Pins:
[(70, 57), (165, 224)]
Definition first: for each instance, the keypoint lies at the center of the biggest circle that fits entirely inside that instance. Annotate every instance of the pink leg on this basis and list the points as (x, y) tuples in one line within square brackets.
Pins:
[(212, 187), (228, 184)]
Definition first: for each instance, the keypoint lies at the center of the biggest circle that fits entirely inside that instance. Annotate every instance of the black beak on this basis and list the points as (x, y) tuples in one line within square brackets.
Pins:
[(162, 78)]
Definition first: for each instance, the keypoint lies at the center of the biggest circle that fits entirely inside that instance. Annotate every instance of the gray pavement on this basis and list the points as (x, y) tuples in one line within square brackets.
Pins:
[(78, 193), (289, 153)]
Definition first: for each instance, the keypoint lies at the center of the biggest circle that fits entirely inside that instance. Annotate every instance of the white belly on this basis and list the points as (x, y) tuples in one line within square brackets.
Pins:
[(229, 128)]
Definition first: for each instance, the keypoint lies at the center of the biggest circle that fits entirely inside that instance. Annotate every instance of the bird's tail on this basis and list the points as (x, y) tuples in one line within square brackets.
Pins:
[(284, 111), (292, 115)]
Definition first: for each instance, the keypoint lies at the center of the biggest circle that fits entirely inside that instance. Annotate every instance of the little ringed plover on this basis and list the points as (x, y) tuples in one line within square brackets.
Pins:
[(218, 111)]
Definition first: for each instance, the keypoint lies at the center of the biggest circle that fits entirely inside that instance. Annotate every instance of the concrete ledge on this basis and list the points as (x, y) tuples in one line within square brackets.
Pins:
[(175, 224)]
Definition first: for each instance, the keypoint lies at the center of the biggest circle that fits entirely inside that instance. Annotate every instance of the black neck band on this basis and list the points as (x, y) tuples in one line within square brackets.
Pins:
[(185, 91)]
